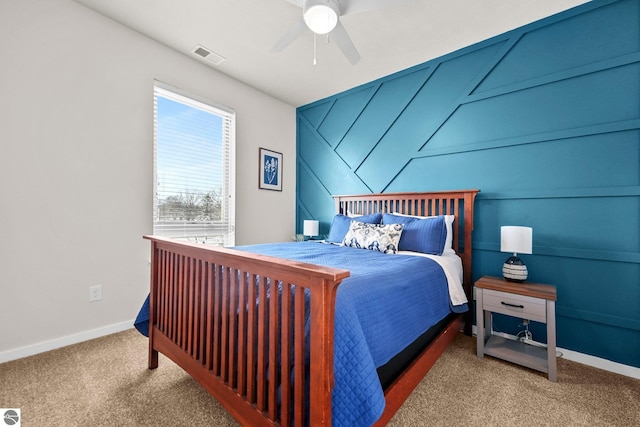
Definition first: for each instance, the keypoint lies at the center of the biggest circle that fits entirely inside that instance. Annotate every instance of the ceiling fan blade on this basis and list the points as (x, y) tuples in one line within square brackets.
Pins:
[(298, 3), (348, 7), (290, 36), (343, 41)]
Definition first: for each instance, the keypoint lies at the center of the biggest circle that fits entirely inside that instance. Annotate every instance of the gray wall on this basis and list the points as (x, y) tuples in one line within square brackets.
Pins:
[(76, 151)]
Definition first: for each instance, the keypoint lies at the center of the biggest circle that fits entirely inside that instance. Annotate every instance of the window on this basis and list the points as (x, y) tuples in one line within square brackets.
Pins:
[(193, 168)]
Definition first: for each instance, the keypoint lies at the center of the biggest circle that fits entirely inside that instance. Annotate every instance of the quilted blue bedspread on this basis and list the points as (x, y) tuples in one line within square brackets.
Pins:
[(387, 302)]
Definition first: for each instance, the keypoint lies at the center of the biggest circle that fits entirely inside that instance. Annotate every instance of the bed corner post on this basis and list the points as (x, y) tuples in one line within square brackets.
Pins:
[(153, 354), (469, 201), (321, 352)]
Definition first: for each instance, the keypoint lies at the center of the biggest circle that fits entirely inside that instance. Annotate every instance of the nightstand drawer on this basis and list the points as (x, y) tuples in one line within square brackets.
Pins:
[(515, 305)]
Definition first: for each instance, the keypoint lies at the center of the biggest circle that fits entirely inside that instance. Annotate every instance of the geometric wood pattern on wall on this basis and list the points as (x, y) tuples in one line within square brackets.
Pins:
[(545, 120)]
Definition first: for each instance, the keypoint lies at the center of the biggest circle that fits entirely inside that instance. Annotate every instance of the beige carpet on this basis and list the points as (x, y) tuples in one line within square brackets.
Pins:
[(105, 382)]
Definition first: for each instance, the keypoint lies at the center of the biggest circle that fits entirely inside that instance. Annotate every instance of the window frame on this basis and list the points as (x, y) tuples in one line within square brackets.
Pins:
[(193, 230)]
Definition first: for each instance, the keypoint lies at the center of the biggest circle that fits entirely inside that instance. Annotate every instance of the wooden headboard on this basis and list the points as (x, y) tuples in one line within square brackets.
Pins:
[(458, 203)]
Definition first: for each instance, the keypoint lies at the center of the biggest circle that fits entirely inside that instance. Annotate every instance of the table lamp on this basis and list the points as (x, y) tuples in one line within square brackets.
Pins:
[(517, 240), (310, 227)]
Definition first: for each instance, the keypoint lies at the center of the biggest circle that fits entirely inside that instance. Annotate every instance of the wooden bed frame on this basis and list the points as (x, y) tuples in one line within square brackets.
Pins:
[(206, 317)]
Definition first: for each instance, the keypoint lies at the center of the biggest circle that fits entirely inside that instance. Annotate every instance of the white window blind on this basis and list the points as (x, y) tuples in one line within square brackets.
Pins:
[(194, 150)]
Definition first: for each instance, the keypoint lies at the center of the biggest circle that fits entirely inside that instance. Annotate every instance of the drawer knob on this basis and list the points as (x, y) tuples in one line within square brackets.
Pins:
[(511, 305)]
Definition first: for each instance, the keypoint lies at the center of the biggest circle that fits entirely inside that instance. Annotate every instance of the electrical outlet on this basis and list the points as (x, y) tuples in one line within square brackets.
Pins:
[(95, 293)]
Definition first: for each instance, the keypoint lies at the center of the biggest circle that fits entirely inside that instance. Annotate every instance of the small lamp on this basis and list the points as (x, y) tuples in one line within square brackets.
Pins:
[(517, 240), (310, 227)]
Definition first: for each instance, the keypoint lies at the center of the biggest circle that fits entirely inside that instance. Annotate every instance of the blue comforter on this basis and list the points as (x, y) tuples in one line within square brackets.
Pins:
[(388, 302)]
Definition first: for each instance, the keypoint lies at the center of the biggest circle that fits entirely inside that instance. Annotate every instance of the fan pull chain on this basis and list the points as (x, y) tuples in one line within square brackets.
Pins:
[(314, 49)]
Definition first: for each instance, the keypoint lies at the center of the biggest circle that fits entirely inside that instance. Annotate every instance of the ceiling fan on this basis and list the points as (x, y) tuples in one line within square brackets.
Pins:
[(323, 17)]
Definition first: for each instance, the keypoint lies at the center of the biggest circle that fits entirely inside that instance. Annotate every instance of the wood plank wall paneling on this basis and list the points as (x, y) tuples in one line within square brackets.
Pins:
[(545, 120)]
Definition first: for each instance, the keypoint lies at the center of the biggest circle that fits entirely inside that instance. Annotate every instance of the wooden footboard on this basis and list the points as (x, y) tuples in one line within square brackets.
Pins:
[(215, 312)]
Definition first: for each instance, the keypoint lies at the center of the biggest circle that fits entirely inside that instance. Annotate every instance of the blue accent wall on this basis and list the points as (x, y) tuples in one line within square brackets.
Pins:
[(545, 121)]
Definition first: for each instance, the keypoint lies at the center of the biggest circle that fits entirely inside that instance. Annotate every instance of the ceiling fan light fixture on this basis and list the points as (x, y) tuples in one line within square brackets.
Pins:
[(321, 16)]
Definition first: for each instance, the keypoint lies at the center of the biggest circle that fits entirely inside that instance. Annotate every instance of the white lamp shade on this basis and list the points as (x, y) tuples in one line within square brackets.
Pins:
[(321, 16), (516, 239), (311, 227)]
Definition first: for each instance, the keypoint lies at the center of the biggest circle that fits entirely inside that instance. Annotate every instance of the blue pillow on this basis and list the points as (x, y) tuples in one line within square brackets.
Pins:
[(340, 225), (426, 235)]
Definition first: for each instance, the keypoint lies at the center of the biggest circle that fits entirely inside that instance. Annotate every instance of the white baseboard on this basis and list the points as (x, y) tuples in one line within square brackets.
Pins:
[(585, 359), (607, 365), (53, 344), (41, 347)]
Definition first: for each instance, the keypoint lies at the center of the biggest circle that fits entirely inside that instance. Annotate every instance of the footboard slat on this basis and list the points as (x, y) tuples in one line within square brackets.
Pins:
[(298, 397), (261, 361), (251, 338), (171, 291), (191, 320), (224, 346), (209, 336), (285, 351), (272, 371), (217, 318), (202, 337), (199, 316), (242, 334), (168, 293), (234, 311), (180, 296)]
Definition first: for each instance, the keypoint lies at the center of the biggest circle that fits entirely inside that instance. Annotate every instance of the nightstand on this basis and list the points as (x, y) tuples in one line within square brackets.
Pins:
[(532, 301)]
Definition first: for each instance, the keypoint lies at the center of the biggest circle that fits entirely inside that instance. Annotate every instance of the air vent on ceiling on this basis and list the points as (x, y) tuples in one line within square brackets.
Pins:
[(209, 55)]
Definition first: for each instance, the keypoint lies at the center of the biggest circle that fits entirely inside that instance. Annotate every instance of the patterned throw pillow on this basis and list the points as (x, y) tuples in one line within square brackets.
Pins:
[(375, 237), (340, 225)]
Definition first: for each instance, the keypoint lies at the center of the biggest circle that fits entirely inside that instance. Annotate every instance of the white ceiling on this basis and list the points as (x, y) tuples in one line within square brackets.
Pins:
[(388, 40)]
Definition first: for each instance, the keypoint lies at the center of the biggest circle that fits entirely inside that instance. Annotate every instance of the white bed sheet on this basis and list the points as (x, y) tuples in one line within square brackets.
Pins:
[(451, 263)]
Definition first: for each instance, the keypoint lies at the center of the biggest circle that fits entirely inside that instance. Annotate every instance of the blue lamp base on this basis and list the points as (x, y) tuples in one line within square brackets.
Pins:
[(514, 270)]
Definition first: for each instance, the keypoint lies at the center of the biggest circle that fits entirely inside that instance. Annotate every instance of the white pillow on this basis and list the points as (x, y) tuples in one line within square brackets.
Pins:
[(448, 221), (376, 237)]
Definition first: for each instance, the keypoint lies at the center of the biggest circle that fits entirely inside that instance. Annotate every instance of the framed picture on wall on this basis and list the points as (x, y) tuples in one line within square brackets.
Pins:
[(270, 170)]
